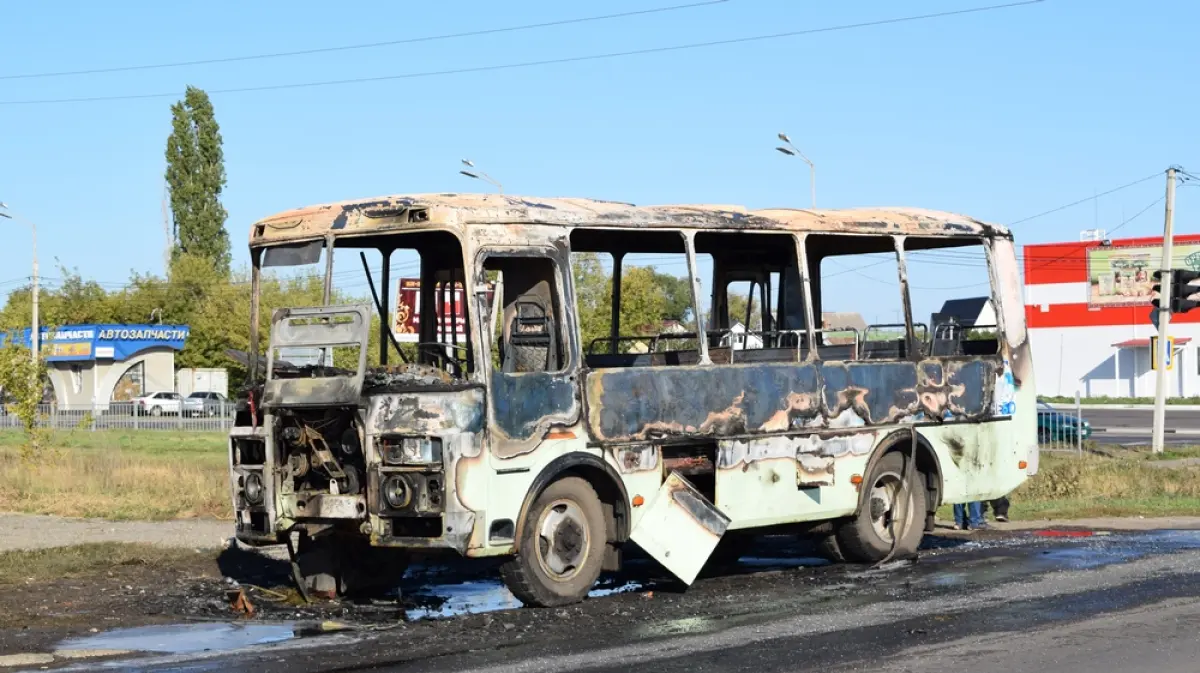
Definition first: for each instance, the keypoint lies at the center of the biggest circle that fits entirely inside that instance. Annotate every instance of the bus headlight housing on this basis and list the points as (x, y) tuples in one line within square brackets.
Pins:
[(253, 488), (396, 491), (411, 450)]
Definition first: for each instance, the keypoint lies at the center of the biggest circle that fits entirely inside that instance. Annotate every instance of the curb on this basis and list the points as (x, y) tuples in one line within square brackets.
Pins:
[(1145, 431), (1067, 406)]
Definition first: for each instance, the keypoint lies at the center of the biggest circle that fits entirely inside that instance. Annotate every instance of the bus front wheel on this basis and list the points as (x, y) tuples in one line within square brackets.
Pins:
[(561, 547), (892, 506)]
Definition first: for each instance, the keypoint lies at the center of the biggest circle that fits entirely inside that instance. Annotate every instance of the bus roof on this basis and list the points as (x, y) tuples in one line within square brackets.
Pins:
[(406, 212)]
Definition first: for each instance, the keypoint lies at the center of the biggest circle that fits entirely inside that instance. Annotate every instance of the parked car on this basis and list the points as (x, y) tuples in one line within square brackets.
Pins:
[(1054, 425), (157, 404), (205, 404)]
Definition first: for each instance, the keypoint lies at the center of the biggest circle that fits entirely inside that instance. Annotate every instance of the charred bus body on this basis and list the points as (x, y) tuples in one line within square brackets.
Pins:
[(514, 438)]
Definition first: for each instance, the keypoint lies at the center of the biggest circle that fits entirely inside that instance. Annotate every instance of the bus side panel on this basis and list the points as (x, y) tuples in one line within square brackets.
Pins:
[(639, 404), (789, 436)]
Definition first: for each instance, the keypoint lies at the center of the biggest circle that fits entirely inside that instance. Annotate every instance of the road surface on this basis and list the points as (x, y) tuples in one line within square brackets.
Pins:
[(1133, 427), (985, 604)]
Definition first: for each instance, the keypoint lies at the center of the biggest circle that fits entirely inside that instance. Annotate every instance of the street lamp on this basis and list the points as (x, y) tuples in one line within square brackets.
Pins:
[(480, 175), (791, 151), (35, 333)]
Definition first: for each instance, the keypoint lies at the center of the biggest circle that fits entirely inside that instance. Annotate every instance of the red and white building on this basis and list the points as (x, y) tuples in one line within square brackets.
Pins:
[(1087, 306)]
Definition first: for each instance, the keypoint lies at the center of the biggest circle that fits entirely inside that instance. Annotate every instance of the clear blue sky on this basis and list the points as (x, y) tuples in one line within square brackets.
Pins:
[(999, 115)]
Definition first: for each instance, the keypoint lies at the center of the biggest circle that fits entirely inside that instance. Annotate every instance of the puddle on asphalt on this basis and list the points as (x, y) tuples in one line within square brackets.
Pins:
[(443, 600), (480, 596), (183, 638)]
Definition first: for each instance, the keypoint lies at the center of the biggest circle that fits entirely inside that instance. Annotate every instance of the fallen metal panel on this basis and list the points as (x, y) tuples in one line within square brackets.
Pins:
[(680, 528)]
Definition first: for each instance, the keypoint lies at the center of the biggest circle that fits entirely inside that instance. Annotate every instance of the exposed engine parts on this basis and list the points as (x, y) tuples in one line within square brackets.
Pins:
[(323, 451)]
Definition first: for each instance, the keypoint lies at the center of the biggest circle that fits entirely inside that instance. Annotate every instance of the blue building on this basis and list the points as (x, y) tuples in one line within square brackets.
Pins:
[(92, 365)]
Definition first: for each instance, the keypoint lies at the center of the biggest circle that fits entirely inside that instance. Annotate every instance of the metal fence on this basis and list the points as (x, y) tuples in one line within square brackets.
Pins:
[(212, 417), (1061, 427)]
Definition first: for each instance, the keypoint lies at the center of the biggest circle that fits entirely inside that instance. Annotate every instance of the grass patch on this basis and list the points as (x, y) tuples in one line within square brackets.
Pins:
[(1173, 453), (151, 475), (1116, 484), (40, 565)]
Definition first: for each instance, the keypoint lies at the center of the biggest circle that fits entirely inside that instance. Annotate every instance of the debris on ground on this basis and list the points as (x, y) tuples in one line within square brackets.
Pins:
[(239, 602)]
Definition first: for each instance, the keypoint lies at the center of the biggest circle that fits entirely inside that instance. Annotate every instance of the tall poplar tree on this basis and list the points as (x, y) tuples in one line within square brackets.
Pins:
[(195, 177)]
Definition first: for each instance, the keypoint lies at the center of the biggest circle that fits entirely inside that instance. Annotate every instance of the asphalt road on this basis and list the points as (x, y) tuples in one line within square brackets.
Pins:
[(1132, 427), (1139, 418), (1125, 602)]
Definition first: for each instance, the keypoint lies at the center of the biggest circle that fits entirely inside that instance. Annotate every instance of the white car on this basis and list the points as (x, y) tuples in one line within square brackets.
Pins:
[(205, 404), (157, 404)]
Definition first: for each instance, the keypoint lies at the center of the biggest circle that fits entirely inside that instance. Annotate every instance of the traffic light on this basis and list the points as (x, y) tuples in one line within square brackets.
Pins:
[(1185, 290), (1156, 291)]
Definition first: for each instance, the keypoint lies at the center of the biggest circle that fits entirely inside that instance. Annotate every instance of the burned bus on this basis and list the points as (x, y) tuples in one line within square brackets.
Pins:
[(516, 437)]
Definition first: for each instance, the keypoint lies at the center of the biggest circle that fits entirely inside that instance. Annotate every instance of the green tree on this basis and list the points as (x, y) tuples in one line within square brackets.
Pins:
[(196, 176), (645, 299), (738, 304), (679, 296), (24, 382)]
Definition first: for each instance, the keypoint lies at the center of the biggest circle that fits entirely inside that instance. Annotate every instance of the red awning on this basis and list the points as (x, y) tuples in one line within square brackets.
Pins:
[(1145, 343)]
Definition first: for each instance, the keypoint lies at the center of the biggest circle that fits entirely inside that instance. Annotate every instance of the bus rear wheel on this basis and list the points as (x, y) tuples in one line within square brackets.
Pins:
[(891, 506), (561, 547)]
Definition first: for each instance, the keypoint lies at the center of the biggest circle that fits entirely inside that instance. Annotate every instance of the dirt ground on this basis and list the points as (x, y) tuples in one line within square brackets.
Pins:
[(198, 582)]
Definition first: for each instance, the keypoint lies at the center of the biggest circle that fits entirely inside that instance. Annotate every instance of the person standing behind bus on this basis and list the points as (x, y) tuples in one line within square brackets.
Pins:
[(999, 508), (964, 522)]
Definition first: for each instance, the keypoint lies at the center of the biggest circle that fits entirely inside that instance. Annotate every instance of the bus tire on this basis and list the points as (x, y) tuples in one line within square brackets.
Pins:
[(827, 547), (864, 537), (561, 547)]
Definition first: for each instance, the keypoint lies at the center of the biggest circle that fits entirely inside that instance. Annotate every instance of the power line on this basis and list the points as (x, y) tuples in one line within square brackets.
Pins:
[(530, 64), (1090, 198), (368, 45), (1127, 221)]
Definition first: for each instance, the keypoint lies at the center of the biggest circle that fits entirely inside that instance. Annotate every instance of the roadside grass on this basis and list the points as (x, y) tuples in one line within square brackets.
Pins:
[(1107, 482), (147, 475), (1173, 453), (40, 565)]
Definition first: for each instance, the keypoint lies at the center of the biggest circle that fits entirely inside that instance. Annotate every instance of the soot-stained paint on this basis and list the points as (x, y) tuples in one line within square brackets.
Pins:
[(432, 413), (520, 402), (639, 403)]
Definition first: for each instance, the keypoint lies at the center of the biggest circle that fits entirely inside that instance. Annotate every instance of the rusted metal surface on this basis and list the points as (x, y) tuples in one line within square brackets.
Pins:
[(323, 506), (680, 528), (330, 327), (427, 413), (645, 403), (630, 459), (814, 454), (425, 211)]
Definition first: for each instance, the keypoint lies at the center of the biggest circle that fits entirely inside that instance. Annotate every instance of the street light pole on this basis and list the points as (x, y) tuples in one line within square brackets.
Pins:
[(480, 175), (791, 151), (35, 332)]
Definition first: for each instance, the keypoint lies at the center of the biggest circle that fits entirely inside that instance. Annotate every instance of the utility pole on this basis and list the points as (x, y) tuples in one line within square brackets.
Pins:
[(35, 333), (170, 241), (1164, 318)]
